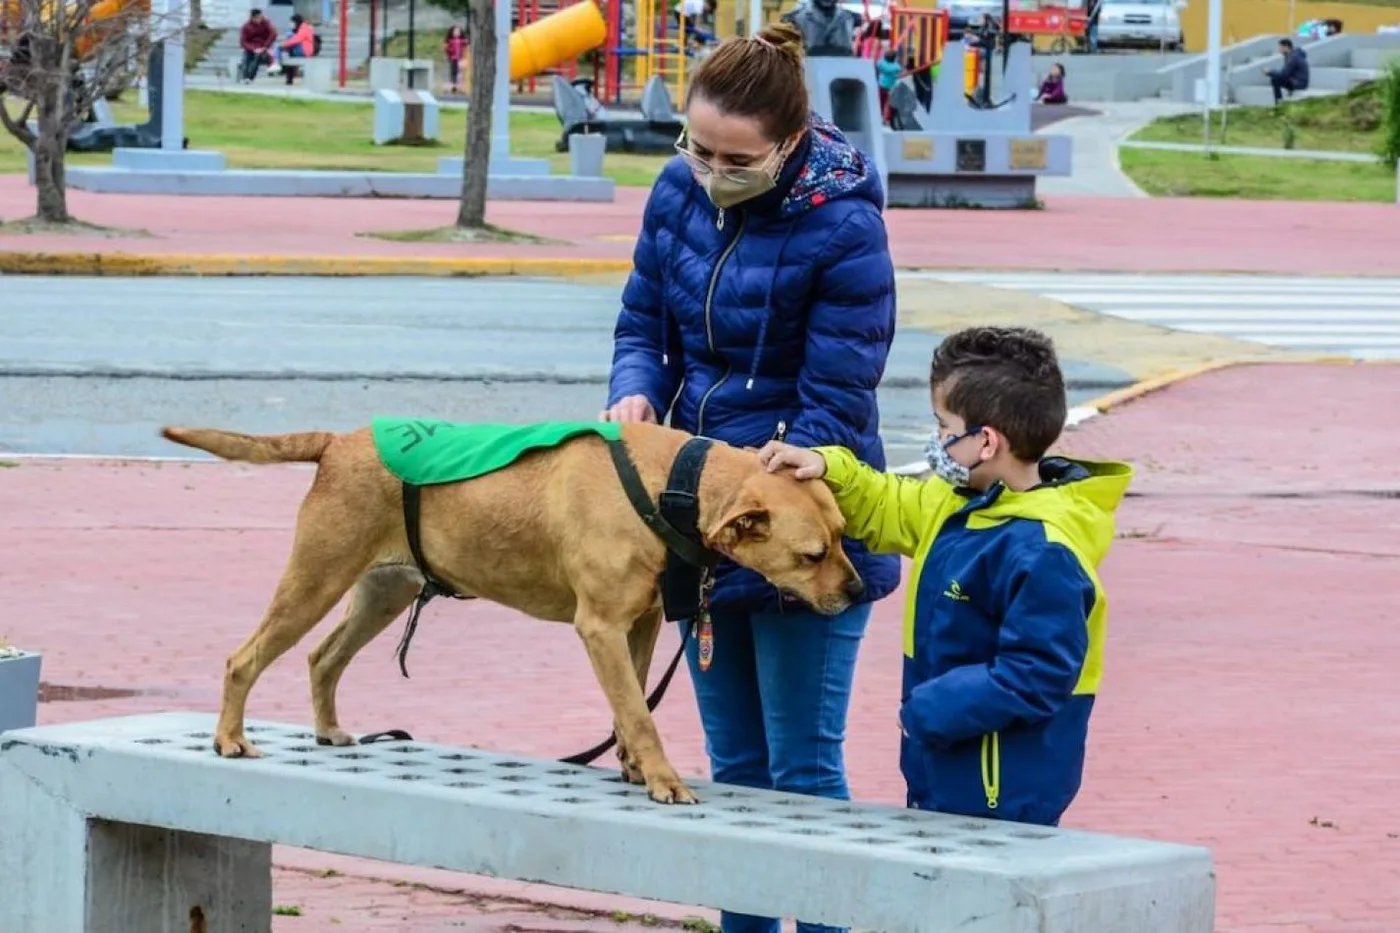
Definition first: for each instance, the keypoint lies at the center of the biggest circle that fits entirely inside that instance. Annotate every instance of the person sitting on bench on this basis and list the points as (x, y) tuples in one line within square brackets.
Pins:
[(1294, 74), (256, 38), (299, 43)]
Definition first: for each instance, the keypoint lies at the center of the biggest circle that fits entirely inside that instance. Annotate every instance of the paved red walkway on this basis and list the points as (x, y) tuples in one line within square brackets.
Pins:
[(1250, 702), (1084, 234)]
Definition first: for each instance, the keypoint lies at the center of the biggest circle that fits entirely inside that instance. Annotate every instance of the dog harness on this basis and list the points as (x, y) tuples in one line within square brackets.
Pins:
[(423, 453)]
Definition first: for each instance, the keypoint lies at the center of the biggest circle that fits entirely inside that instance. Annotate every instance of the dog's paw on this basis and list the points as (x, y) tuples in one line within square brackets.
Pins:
[(236, 747), (670, 789), (631, 773), (336, 737)]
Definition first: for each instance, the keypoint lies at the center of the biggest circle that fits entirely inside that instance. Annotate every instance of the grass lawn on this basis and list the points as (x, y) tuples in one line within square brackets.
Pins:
[(1344, 123), (1262, 178), (256, 131)]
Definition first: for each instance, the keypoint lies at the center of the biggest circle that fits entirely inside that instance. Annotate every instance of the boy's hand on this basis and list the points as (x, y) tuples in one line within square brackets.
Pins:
[(804, 463)]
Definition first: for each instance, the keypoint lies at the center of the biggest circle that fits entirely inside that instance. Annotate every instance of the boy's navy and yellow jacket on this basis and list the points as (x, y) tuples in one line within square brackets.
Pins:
[(1003, 628)]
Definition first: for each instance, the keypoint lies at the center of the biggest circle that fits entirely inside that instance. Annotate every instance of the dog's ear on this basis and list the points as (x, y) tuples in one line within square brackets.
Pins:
[(746, 523)]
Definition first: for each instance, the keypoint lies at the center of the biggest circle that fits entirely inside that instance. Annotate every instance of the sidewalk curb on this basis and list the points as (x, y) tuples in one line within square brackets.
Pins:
[(230, 265), (178, 264)]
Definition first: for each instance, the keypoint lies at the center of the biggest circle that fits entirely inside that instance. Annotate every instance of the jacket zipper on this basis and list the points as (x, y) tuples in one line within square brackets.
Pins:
[(991, 768), (709, 325)]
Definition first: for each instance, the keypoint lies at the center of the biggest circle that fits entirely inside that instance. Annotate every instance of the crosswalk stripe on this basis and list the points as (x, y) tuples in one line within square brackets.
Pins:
[(1353, 317)]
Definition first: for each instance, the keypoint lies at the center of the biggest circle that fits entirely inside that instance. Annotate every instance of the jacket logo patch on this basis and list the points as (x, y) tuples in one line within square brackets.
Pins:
[(955, 593)]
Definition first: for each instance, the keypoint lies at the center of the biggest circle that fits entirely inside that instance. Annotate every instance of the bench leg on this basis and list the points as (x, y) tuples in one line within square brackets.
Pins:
[(64, 873)]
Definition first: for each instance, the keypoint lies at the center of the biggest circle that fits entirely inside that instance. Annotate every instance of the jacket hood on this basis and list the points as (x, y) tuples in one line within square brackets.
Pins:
[(1077, 498), (834, 168)]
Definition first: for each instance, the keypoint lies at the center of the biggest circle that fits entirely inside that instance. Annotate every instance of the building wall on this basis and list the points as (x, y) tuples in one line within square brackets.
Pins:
[(1244, 19)]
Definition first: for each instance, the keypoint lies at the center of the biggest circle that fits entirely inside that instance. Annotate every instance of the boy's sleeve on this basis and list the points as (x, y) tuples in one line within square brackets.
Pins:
[(1040, 651), (889, 513)]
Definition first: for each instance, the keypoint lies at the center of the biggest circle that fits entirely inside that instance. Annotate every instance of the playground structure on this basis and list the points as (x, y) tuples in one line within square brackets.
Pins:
[(620, 63), (174, 169)]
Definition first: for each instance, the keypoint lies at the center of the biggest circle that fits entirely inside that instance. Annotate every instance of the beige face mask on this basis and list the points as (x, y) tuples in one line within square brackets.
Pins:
[(729, 187)]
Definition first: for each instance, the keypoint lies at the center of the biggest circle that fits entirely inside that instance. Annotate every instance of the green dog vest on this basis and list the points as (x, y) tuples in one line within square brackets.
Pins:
[(425, 453)]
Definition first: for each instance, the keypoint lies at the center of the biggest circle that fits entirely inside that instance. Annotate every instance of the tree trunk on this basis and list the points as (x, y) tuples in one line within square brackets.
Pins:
[(196, 14), (50, 151), (481, 31)]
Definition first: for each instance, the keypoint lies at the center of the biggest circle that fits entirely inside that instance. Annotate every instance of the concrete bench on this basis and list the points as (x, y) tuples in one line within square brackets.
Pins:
[(315, 74), (132, 824)]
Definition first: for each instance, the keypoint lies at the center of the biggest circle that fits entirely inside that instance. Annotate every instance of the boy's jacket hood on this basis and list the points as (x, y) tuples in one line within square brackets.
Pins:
[(1077, 498)]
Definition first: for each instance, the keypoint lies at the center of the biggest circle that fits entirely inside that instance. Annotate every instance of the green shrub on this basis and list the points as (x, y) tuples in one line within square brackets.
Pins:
[(1388, 146)]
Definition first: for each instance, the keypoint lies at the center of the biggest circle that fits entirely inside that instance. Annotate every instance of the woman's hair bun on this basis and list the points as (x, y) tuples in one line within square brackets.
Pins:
[(785, 38)]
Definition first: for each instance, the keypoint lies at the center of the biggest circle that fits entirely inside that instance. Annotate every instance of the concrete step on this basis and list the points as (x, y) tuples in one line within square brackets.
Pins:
[(1339, 80), (1261, 95), (1375, 59)]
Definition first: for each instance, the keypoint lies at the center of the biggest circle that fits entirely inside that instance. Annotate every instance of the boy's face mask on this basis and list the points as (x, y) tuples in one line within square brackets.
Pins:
[(941, 462)]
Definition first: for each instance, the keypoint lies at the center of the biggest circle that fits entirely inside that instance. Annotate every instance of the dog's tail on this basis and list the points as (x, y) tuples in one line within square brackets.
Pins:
[(274, 448)]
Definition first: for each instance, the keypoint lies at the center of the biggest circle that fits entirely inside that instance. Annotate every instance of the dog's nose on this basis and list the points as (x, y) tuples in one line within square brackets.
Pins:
[(855, 588)]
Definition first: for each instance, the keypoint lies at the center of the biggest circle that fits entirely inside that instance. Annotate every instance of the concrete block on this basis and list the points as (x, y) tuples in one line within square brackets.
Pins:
[(586, 151), (515, 167), (19, 690), (68, 873), (470, 810), (316, 184), (390, 110), (234, 67), (168, 160), (995, 170), (391, 74), (315, 74)]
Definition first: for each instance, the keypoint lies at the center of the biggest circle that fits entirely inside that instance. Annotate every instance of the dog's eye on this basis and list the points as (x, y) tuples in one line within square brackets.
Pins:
[(816, 557)]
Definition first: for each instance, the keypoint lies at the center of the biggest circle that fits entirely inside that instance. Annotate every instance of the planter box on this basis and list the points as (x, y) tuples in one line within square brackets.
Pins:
[(19, 691)]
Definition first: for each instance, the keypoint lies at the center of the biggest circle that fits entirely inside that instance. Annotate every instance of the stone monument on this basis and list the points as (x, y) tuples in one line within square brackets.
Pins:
[(827, 30)]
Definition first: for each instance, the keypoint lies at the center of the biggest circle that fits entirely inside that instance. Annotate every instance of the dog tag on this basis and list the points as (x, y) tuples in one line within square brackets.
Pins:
[(707, 641)]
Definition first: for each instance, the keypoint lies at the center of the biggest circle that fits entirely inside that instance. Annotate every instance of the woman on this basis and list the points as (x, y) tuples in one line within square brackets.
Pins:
[(761, 305)]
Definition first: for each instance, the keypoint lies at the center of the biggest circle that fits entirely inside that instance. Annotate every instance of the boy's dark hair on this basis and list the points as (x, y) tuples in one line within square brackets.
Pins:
[(1007, 378), (1286, 43)]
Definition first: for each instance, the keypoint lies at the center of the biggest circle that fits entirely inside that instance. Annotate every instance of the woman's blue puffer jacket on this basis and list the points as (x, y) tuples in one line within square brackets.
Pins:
[(781, 310)]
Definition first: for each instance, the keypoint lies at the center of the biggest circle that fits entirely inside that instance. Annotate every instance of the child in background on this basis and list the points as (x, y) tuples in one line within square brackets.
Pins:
[(454, 47), (887, 72), (1052, 89), (1004, 625)]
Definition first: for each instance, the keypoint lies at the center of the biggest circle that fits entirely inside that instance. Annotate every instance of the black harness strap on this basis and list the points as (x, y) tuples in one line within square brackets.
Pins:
[(432, 586)]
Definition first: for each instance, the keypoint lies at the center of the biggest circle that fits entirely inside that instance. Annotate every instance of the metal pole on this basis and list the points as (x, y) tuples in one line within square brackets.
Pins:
[(344, 39), (1213, 29), (384, 29), (500, 97), (412, 7), (755, 17)]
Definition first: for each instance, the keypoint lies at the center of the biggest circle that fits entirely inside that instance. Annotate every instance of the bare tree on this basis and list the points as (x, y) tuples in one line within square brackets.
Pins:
[(63, 57), (481, 33)]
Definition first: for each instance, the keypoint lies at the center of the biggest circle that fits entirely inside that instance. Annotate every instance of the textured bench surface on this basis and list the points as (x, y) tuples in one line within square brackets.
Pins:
[(465, 809)]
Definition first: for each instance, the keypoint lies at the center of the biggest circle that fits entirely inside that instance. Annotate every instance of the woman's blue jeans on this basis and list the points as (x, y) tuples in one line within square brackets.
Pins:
[(773, 705)]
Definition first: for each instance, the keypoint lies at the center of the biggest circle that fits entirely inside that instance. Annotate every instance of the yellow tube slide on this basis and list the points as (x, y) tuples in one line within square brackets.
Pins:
[(556, 38)]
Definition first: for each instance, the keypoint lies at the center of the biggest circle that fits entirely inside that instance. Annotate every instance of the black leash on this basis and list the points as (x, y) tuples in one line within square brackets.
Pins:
[(685, 582)]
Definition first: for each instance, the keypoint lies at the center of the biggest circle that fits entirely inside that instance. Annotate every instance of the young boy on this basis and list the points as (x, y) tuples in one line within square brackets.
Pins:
[(1004, 623)]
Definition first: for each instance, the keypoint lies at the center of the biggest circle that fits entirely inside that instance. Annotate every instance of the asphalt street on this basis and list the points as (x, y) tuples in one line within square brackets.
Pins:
[(95, 366)]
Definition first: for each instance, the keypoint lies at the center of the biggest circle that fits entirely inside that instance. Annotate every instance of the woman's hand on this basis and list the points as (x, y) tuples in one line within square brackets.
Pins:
[(631, 408), (804, 463)]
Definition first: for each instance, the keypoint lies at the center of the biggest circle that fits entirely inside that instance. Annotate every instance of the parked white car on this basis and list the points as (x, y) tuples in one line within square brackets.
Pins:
[(1151, 23)]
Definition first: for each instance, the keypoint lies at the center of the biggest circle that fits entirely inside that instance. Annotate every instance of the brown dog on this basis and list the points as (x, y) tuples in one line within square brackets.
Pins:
[(552, 535)]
